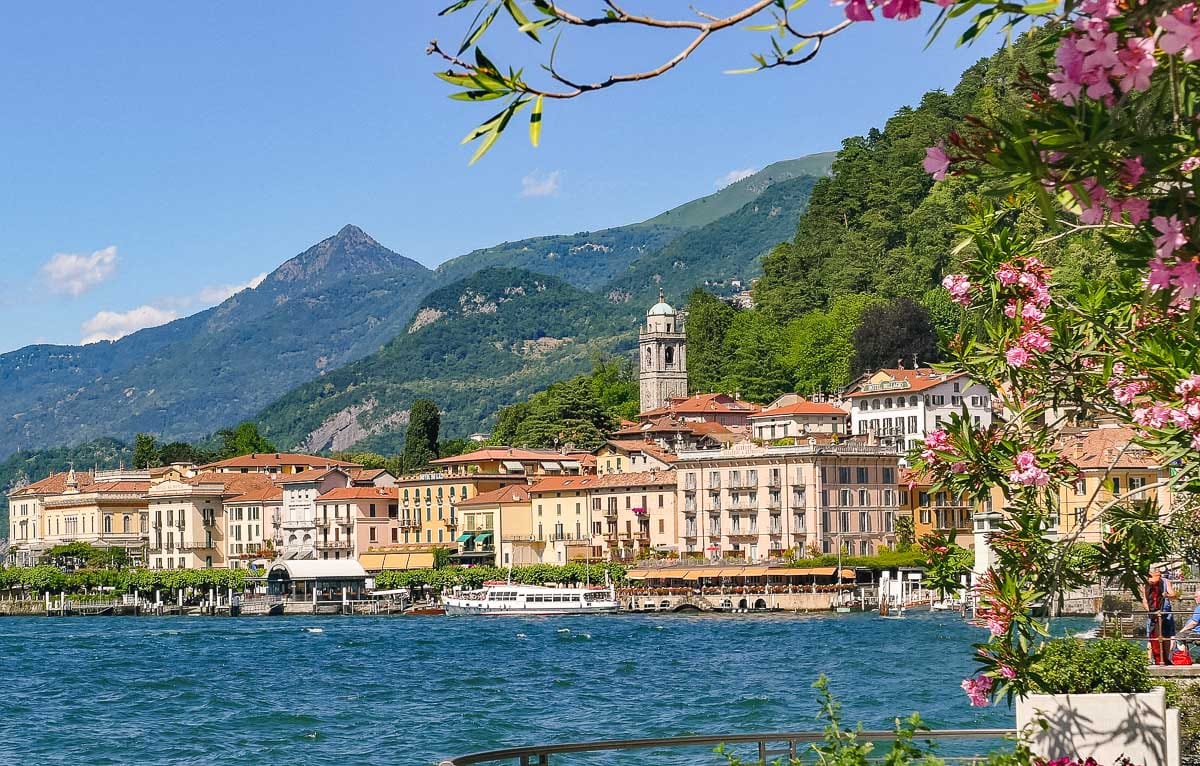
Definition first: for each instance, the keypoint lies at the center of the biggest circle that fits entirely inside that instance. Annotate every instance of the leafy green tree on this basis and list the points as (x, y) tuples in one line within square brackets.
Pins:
[(819, 346), (895, 333), (615, 386), (181, 452), (753, 349), (244, 439), (145, 451), (441, 557), (508, 420), (80, 554), (905, 533), (421, 438), (452, 447), (708, 321), (565, 413)]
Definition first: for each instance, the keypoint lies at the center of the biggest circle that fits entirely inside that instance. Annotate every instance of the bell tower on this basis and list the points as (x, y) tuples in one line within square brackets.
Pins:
[(662, 354)]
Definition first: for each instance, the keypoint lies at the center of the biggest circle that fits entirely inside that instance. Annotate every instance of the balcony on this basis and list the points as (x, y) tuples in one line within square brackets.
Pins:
[(774, 481), (409, 523), (774, 503), (452, 522), (741, 482), (610, 513), (333, 545), (321, 523)]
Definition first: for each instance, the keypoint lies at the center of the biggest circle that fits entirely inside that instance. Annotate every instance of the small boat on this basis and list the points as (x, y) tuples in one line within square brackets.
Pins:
[(425, 608), (505, 598), (945, 605)]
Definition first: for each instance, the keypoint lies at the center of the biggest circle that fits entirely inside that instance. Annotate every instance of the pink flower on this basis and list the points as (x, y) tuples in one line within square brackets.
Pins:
[(1159, 277), (1007, 275), (1181, 32), (1187, 281), (1032, 313), (1188, 385), (996, 626), (959, 287), (937, 162), (1154, 416), (1008, 672), (858, 10), (1017, 357), (1132, 171), (901, 10), (1190, 164), (1025, 460), (958, 467), (1136, 208), (1171, 231), (938, 439), (1137, 64), (1034, 340)]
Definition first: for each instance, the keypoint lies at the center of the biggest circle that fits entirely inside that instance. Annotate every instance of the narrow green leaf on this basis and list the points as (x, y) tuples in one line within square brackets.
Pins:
[(521, 20), (535, 122), (748, 70), (763, 27), (479, 30), (477, 95), (456, 7)]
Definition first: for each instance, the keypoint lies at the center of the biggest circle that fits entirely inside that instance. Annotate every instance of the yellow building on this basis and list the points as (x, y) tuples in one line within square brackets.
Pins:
[(935, 512), (560, 527), (108, 512), (632, 456), (1110, 466), (274, 463), (496, 528)]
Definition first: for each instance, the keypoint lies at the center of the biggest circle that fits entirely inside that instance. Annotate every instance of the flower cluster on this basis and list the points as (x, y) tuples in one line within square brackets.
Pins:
[(1169, 270), (935, 441), (959, 287), (900, 10), (1183, 414), (1026, 282), (978, 688), (1066, 762), (1093, 60), (1027, 472)]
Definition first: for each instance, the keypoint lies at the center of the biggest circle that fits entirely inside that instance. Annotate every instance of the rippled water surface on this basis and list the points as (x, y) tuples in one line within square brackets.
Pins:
[(411, 690)]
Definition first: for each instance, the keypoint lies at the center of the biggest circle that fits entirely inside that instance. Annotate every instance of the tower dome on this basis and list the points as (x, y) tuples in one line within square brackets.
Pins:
[(662, 308)]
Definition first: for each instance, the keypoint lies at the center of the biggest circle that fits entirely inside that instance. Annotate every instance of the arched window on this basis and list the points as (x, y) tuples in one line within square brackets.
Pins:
[(670, 356), (125, 524), (887, 403), (874, 404), (108, 525), (912, 401), (863, 405)]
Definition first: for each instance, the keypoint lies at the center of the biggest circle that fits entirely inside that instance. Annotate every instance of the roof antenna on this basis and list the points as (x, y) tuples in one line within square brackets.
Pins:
[(915, 360)]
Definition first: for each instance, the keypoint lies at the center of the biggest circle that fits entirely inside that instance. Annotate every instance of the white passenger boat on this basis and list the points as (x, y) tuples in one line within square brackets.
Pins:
[(504, 598)]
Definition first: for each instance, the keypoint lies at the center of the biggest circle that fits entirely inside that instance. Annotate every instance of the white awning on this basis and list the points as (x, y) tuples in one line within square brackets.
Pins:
[(570, 465), (513, 465), (550, 465)]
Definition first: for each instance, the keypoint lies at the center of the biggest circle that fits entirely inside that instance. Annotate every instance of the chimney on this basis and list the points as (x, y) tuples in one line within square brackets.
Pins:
[(253, 455)]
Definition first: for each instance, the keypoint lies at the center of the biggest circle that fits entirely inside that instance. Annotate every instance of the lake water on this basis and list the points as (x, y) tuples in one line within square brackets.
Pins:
[(376, 691)]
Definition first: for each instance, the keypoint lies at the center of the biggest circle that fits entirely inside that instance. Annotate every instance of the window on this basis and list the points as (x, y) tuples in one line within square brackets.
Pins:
[(371, 534), (863, 497), (1080, 486), (371, 509), (912, 424), (846, 498), (861, 475), (844, 521), (887, 403), (864, 521), (108, 525), (925, 516), (889, 475), (1116, 485), (843, 476), (1137, 482)]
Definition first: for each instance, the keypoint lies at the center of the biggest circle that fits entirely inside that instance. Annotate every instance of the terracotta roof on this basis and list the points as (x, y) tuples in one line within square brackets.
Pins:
[(54, 484), (276, 459), (659, 424), (699, 404), (235, 483), (360, 493), (607, 481), (264, 495), (501, 453), (516, 493), (918, 380), (803, 407), (366, 474), (649, 448), (1098, 448), (315, 474)]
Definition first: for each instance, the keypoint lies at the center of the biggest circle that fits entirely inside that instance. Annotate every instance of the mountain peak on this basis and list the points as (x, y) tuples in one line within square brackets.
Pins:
[(350, 252)]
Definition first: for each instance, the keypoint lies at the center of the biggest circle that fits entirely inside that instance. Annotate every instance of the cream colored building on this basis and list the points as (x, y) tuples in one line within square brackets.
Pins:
[(632, 456), (190, 525), (793, 417), (251, 531), (108, 512), (353, 520), (497, 528), (282, 463)]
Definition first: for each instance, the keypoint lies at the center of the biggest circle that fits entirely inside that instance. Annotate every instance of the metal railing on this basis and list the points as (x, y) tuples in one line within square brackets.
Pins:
[(769, 745)]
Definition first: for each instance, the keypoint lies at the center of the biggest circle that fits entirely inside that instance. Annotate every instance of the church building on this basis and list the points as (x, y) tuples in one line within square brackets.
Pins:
[(662, 349)]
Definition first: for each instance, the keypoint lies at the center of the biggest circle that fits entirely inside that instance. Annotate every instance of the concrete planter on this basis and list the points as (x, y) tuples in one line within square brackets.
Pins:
[(1104, 726)]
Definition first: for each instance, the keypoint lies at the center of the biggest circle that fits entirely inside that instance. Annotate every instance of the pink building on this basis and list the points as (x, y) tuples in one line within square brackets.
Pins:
[(352, 520)]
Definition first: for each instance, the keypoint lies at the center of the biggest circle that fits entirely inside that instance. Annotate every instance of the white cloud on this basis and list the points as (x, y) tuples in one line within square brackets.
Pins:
[(215, 294), (540, 185), (734, 176), (74, 274), (110, 325)]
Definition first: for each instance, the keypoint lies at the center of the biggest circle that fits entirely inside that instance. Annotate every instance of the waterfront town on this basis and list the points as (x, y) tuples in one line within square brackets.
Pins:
[(701, 477)]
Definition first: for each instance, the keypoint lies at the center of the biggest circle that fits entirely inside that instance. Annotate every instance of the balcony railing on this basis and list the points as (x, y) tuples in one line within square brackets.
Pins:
[(333, 545), (784, 745)]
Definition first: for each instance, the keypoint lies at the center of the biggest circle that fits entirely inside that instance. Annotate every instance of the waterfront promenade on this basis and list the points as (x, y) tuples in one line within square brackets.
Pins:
[(380, 692)]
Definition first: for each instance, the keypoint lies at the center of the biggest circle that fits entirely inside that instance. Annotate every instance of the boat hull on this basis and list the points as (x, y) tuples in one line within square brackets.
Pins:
[(469, 609)]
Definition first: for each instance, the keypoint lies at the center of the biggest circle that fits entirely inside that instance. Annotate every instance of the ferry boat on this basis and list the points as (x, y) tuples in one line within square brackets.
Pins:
[(505, 598)]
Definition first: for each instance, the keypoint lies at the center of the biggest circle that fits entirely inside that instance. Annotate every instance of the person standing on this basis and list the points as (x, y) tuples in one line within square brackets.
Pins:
[(1156, 598)]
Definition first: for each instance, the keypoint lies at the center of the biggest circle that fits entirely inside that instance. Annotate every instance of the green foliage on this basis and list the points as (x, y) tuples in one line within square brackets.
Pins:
[(905, 533), (243, 439), (50, 579), (877, 563), (78, 555), (896, 333), (579, 411), (445, 578), (441, 558), (819, 346), (753, 348), (452, 447), (421, 438), (145, 451), (182, 452), (708, 321), (1185, 697), (1074, 666), (947, 563)]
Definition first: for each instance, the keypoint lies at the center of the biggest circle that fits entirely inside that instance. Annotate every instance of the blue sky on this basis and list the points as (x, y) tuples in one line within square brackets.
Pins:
[(157, 156)]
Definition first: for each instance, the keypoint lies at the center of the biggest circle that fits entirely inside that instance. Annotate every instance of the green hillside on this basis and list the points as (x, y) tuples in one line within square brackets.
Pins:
[(590, 259), (716, 254), (476, 345), (703, 211)]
